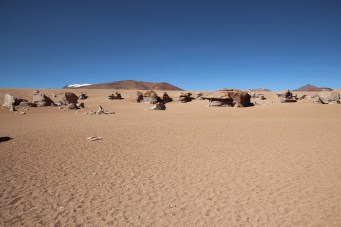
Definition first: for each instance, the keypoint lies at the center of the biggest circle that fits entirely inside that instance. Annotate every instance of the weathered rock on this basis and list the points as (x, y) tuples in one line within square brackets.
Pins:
[(230, 97), (183, 97), (148, 97), (41, 100), (80, 105), (12, 108), (139, 97), (25, 103), (72, 106), (115, 96), (10, 100), (81, 95), (166, 98), (69, 98), (327, 97), (216, 103), (102, 111), (287, 97), (158, 106)]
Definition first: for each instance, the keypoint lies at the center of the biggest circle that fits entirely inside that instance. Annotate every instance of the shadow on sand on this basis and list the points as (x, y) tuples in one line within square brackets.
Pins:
[(4, 139)]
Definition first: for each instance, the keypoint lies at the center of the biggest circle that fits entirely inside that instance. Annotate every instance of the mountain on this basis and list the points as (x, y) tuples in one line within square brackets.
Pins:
[(132, 85), (309, 87)]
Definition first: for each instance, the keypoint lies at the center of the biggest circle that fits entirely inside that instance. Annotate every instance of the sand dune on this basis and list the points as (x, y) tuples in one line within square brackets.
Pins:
[(272, 165)]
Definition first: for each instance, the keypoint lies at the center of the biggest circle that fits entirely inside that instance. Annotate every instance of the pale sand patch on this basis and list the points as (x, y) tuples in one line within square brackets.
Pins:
[(190, 165)]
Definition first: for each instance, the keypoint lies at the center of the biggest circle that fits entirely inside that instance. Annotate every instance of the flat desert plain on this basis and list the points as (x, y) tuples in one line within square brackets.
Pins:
[(190, 165)]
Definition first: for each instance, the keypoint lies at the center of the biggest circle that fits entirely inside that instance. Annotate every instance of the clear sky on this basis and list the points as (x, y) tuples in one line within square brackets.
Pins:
[(196, 45)]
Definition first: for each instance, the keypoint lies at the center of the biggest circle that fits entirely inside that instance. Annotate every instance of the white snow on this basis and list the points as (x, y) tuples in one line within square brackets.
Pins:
[(78, 85)]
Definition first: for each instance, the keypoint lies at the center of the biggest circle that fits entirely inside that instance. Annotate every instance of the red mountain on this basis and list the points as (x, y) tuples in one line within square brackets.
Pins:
[(134, 85), (309, 87)]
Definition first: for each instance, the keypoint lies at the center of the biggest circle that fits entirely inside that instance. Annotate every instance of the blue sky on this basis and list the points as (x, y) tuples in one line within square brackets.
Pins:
[(196, 45)]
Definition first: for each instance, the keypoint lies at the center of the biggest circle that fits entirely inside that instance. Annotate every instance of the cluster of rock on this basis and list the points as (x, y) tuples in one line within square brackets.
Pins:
[(183, 97), (115, 96), (152, 98), (39, 100), (148, 97), (287, 97), (230, 98), (324, 97)]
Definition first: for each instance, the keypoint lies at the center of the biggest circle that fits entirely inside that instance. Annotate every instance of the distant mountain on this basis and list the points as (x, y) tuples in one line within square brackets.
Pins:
[(133, 85), (309, 87), (75, 85), (259, 89)]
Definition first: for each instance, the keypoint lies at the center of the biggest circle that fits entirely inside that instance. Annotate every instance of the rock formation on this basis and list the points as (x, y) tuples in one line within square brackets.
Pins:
[(166, 98), (115, 96), (329, 97), (148, 97), (183, 97), (41, 100), (229, 97), (159, 106), (287, 97)]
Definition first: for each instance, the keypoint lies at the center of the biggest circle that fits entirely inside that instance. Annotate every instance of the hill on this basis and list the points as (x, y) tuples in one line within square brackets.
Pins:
[(132, 85), (309, 87)]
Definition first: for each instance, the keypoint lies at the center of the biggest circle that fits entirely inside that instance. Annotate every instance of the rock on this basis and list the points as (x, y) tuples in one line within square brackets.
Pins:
[(159, 106), (183, 97), (230, 97), (94, 138), (148, 97), (70, 97), (25, 103), (139, 97), (10, 100), (41, 100), (216, 103), (81, 95), (316, 100), (327, 97), (80, 105), (166, 98), (20, 113), (12, 108), (287, 97), (102, 111), (72, 106), (36, 92), (115, 96)]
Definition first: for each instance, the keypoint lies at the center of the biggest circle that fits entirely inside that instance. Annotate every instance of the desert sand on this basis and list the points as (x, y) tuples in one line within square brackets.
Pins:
[(271, 165)]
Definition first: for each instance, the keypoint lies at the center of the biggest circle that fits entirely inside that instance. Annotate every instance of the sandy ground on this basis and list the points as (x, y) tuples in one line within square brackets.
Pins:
[(272, 165)]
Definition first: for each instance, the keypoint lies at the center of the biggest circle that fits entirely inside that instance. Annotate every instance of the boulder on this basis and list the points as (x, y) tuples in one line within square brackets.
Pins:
[(159, 106), (148, 97), (183, 97), (329, 97), (70, 97), (12, 108), (41, 100), (80, 105), (81, 95), (72, 106), (287, 97), (115, 96), (139, 96), (9, 100), (230, 97), (166, 98)]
